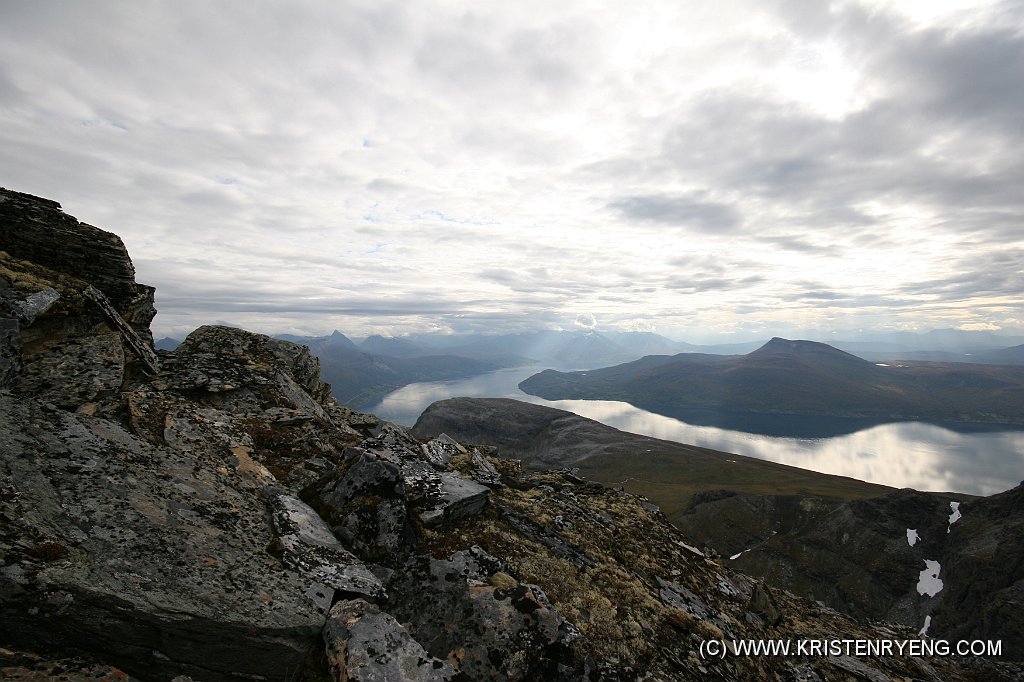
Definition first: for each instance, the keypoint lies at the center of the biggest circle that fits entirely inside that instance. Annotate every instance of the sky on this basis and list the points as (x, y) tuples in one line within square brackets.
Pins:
[(708, 171)]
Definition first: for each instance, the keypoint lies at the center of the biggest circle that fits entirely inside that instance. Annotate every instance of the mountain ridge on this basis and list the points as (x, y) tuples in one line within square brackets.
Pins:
[(800, 378)]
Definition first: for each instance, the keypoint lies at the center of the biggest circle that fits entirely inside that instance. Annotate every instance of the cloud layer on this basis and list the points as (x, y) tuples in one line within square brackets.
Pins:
[(742, 169)]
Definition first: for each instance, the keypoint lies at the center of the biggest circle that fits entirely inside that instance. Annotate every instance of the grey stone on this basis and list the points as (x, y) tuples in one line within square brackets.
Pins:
[(440, 497), (311, 548), (137, 547), (365, 504), (78, 370), (141, 348), (365, 644), (11, 365), (35, 304), (483, 471), (488, 633), (439, 451)]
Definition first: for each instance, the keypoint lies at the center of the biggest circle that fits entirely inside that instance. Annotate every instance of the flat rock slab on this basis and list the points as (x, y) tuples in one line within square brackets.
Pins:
[(441, 496), (311, 548), (150, 555)]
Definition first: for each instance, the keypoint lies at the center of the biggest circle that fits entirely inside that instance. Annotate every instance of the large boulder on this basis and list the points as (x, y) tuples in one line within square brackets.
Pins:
[(151, 556)]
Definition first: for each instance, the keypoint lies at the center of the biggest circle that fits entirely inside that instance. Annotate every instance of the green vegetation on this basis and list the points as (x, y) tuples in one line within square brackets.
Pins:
[(670, 478)]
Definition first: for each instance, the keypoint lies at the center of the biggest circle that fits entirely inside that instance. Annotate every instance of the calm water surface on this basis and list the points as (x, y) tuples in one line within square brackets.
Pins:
[(903, 455)]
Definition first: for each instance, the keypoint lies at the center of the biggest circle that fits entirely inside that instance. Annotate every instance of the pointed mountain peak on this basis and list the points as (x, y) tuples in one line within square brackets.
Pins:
[(805, 349), (338, 339)]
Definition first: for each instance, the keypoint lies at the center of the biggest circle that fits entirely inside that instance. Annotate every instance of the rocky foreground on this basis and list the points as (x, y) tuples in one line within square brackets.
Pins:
[(212, 513)]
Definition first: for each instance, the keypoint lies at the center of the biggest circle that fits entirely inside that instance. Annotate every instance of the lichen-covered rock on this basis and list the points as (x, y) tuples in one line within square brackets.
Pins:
[(365, 644), (482, 471), (441, 497), (510, 632), (440, 450), (88, 369), (365, 502), (309, 547), (151, 556)]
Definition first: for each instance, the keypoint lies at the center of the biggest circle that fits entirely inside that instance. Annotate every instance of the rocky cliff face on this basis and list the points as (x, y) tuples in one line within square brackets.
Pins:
[(212, 513)]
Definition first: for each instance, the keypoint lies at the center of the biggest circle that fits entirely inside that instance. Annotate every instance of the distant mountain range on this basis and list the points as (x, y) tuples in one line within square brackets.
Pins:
[(363, 372), (799, 378), (359, 376)]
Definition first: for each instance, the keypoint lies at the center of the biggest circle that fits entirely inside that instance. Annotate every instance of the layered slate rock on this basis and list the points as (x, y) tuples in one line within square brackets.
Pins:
[(37, 230), (31, 228)]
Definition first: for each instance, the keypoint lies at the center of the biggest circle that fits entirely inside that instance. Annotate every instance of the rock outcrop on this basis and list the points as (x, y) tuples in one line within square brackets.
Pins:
[(217, 515)]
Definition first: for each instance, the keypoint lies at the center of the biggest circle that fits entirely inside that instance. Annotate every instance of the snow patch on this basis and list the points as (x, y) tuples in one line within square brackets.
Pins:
[(738, 555), (929, 583), (955, 516), (912, 536), (923, 632)]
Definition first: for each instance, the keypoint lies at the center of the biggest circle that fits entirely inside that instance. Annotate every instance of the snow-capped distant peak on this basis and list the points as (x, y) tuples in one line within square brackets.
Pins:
[(912, 536)]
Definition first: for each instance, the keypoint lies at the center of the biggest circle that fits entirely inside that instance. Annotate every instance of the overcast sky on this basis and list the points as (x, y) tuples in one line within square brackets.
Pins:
[(693, 168)]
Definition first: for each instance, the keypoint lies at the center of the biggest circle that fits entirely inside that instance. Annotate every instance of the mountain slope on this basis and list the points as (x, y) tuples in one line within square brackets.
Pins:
[(800, 378), (665, 471), (866, 557)]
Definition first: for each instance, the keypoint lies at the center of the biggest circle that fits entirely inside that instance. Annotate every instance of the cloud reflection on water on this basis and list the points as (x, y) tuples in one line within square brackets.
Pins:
[(903, 454)]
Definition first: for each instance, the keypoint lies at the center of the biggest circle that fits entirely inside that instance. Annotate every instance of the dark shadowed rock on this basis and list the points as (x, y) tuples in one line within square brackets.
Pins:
[(365, 502), (146, 554), (37, 230), (491, 633)]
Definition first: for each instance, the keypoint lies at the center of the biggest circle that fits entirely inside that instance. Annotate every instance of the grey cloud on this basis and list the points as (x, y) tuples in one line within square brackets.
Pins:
[(969, 75), (679, 211), (696, 285), (800, 245), (998, 273), (325, 113)]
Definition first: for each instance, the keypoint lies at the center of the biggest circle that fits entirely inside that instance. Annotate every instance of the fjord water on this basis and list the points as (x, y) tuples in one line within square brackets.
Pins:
[(902, 454)]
